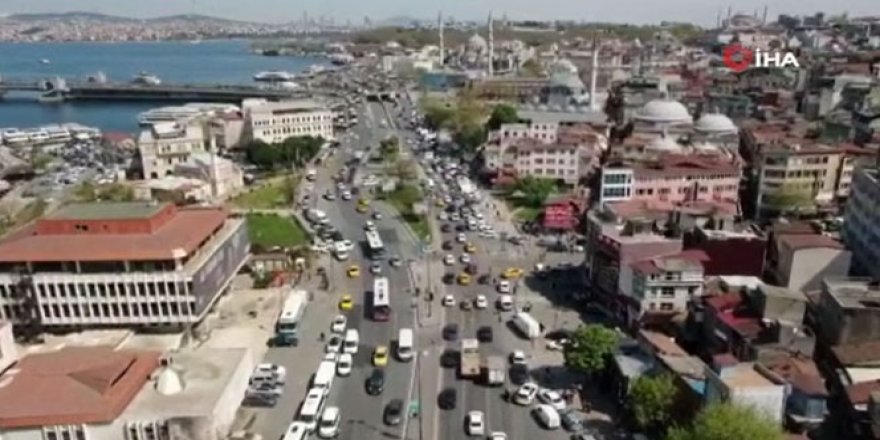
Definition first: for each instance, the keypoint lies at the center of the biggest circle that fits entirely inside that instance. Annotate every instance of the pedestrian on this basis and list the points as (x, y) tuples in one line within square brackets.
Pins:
[(322, 336)]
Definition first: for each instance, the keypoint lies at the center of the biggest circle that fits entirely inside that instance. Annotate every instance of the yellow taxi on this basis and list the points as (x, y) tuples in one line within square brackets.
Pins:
[(346, 303), (362, 208), (512, 273), (380, 356), (470, 248), (353, 271), (464, 279), (363, 202), (439, 203)]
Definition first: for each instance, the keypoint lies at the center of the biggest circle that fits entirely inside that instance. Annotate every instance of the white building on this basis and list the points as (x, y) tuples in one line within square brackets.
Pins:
[(748, 384), (222, 175), (164, 145), (276, 121), (663, 284)]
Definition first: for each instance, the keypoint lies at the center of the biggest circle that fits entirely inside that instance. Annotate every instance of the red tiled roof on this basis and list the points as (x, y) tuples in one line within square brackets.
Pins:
[(800, 372), (805, 241), (724, 301), (186, 231), (860, 393), (73, 386)]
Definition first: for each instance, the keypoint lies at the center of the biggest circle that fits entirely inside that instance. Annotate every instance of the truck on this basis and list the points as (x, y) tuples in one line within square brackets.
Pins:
[(292, 311), (494, 370), (470, 358), (527, 326)]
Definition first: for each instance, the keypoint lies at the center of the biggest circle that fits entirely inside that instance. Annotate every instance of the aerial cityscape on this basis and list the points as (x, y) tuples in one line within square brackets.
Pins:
[(293, 224)]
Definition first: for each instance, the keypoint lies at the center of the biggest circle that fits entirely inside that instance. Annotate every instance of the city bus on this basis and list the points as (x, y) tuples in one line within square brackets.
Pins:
[(374, 243), (381, 304), (288, 320)]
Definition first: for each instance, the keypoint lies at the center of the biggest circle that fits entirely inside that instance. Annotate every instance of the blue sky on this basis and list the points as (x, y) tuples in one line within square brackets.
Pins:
[(634, 11)]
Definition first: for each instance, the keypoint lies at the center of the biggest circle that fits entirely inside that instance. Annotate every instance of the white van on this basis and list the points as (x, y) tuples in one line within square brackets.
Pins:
[(352, 340), (323, 378), (547, 416), (269, 373), (311, 409), (405, 344), (329, 425), (527, 325)]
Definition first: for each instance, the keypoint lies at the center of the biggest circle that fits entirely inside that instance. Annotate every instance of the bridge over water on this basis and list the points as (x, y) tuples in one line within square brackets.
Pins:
[(60, 89)]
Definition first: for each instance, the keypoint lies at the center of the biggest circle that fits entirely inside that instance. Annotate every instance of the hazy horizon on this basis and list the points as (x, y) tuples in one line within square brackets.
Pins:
[(282, 11)]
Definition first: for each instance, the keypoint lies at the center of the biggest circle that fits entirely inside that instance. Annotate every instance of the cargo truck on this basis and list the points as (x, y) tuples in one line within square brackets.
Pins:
[(470, 358), (494, 370)]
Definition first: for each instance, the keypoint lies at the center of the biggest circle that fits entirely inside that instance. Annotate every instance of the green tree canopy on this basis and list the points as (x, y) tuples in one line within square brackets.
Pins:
[(790, 198), (112, 192), (651, 399), (502, 114), (293, 151), (590, 347), (533, 191), (726, 421), (531, 67)]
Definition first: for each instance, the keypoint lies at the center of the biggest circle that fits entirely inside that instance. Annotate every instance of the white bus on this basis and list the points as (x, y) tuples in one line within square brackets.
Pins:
[(288, 320), (323, 378), (381, 303), (374, 243), (311, 408)]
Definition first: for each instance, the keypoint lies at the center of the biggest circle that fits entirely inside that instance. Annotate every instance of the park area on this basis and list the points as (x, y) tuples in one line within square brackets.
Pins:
[(274, 193), (403, 198), (269, 230)]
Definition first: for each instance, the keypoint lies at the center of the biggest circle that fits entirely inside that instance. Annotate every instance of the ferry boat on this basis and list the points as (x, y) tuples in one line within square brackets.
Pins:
[(274, 76), (37, 135), (187, 111), (145, 78), (57, 134), (13, 136)]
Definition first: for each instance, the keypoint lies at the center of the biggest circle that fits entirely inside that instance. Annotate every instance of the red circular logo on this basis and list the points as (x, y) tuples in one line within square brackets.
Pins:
[(737, 57)]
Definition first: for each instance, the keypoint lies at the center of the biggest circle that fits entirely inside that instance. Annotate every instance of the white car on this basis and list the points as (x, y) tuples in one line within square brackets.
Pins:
[(461, 238), (504, 286), (338, 324), (345, 245), (518, 357), (331, 356), (547, 416), (525, 395), (476, 424), (552, 398), (346, 195), (369, 225), (448, 301), (481, 302), (497, 435), (465, 259), (328, 427), (334, 345), (344, 364), (329, 196), (449, 260)]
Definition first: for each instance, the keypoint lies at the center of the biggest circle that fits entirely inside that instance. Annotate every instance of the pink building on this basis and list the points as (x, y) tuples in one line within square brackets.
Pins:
[(673, 178)]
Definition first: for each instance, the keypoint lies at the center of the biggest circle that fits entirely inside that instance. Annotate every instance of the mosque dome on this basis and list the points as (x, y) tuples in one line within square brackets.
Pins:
[(169, 382), (663, 143), (564, 65), (566, 80), (664, 111), (715, 123), (477, 43)]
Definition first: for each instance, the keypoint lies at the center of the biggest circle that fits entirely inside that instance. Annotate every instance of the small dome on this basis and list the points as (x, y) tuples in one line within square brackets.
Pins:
[(715, 123), (169, 382), (705, 146), (477, 43), (664, 111), (663, 143), (566, 80)]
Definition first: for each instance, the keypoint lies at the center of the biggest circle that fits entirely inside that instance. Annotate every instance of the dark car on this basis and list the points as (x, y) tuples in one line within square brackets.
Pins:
[(447, 246), (449, 358), (449, 278), (460, 228), (466, 305), (484, 334), (395, 261), (559, 334), (484, 279), (471, 269), (376, 382), (519, 374), (447, 399), (450, 332), (570, 421), (393, 412), (446, 228)]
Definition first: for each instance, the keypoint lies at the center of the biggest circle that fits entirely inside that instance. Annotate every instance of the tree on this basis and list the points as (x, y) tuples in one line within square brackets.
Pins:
[(531, 67), (404, 170), (502, 114), (262, 154), (534, 191), (726, 421), (590, 347), (790, 198), (651, 399), (389, 149)]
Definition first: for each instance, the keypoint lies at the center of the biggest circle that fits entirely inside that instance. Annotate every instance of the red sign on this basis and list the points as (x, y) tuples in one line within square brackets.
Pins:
[(738, 57)]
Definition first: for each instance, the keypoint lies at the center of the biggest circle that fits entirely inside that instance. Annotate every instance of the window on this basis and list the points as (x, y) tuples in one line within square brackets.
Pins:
[(667, 306), (667, 291)]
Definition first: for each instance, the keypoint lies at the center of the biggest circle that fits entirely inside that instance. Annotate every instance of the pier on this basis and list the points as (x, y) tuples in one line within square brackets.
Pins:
[(59, 89)]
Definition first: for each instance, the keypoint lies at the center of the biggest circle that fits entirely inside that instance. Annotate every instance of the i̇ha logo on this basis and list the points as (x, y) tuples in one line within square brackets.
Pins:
[(738, 58)]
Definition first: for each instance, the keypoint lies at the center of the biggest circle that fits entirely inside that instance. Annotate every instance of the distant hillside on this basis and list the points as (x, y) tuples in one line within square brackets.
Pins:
[(104, 18)]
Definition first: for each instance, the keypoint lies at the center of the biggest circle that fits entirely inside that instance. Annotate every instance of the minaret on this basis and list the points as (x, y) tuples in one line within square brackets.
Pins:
[(718, 19), (491, 45), (440, 26), (764, 17), (594, 73)]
